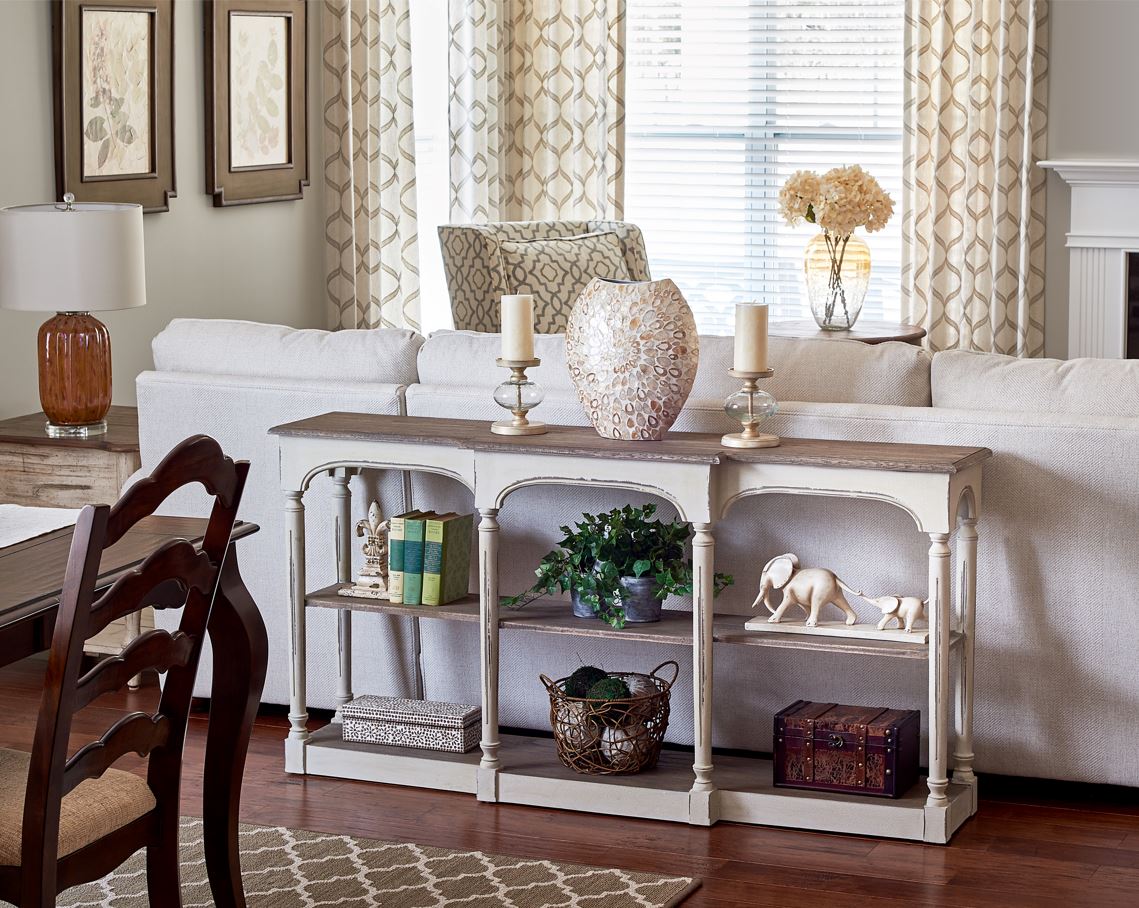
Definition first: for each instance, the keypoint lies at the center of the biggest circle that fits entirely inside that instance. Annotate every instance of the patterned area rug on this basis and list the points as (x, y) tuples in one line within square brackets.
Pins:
[(291, 868)]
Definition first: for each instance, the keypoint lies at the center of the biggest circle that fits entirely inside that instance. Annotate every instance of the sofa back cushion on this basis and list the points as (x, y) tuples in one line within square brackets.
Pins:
[(824, 371), (988, 381), (231, 347), (557, 270)]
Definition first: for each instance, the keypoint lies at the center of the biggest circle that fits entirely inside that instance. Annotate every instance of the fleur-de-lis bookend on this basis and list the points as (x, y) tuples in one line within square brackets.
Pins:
[(372, 581)]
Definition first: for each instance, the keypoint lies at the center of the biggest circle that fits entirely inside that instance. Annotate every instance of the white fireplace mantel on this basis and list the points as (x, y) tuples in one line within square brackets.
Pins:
[(1104, 228)]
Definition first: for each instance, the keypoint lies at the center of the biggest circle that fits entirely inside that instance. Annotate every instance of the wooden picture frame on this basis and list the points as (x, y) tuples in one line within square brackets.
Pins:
[(256, 100), (113, 71)]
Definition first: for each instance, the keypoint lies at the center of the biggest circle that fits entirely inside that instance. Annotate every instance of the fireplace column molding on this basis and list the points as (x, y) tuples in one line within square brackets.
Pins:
[(1104, 228)]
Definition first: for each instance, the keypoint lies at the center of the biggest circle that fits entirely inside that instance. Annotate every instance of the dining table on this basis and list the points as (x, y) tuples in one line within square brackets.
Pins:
[(31, 579)]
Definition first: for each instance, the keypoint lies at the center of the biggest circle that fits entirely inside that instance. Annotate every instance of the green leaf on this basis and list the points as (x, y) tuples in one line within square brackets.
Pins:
[(640, 566)]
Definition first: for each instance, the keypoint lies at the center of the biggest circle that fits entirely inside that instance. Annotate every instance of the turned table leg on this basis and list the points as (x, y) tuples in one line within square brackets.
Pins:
[(940, 606), (298, 708), (133, 623), (967, 598), (488, 651), (703, 558), (342, 497)]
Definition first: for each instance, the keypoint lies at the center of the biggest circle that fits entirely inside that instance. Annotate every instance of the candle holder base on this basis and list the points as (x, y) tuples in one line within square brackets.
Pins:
[(519, 395), (749, 407), (758, 440), (507, 427)]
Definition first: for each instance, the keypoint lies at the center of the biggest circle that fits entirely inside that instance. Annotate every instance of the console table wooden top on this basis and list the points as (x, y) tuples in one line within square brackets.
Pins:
[(677, 447)]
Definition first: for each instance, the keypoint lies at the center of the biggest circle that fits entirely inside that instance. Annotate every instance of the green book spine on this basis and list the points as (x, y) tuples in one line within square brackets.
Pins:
[(395, 559), (446, 558), (457, 558), (414, 529), (433, 539)]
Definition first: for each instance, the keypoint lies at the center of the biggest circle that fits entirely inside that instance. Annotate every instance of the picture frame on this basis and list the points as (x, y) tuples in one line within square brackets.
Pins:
[(113, 74), (256, 80)]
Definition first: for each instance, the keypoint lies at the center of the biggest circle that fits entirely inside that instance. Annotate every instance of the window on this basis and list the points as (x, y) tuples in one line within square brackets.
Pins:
[(725, 100)]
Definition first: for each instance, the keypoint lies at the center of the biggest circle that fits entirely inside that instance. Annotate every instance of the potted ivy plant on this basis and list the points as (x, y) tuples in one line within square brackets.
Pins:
[(618, 566)]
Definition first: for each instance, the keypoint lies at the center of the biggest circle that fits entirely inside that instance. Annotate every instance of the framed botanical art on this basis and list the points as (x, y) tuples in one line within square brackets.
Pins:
[(114, 101), (256, 101)]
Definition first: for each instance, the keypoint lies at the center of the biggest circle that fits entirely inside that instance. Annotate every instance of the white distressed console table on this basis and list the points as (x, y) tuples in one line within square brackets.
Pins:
[(940, 488)]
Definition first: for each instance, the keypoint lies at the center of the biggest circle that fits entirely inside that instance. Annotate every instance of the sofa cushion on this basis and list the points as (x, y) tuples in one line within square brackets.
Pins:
[(557, 270), (824, 371), (466, 359), (231, 347), (989, 381)]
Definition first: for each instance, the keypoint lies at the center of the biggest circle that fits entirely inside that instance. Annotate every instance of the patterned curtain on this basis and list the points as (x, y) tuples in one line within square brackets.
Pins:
[(369, 155), (537, 109), (973, 197)]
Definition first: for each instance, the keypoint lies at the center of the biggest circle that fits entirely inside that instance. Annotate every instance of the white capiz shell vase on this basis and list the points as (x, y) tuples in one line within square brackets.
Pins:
[(632, 351)]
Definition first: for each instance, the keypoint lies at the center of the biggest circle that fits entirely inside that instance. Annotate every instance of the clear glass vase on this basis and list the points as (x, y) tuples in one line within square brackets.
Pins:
[(837, 269)]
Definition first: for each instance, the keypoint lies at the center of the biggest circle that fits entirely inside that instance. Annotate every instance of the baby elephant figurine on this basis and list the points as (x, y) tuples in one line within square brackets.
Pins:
[(808, 588), (906, 609)]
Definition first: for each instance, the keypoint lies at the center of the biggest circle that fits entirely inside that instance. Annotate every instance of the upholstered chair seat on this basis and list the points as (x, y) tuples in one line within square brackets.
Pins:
[(94, 808), (553, 260)]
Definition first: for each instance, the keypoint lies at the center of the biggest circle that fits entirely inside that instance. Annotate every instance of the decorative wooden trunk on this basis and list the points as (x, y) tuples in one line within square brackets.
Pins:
[(856, 749), (396, 722)]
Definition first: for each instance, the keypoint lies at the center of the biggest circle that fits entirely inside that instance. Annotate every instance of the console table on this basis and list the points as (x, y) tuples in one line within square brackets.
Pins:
[(938, 486)]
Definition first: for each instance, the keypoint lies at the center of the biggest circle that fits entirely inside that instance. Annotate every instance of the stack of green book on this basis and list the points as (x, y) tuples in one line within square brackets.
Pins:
[(429, 557)]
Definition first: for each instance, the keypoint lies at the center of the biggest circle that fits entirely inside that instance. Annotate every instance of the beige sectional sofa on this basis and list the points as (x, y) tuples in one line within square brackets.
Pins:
[(1057, 688)]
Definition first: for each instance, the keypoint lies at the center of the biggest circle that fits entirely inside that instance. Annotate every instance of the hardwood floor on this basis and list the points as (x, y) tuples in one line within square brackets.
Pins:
[(1072, 847)]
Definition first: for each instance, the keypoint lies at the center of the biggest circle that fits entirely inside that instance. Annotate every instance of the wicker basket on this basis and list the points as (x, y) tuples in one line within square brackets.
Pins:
[(612, 737)]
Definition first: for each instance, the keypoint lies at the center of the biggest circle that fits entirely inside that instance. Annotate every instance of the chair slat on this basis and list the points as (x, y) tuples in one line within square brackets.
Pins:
[(198, 457), (157, 649), (175, 561), (138, 733)]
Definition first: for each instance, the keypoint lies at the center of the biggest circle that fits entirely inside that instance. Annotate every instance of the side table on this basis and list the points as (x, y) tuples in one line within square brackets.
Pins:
[(867, 332), (39, 471)]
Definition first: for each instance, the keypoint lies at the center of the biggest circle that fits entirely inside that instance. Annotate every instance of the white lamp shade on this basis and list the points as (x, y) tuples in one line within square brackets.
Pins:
[(87, 259)]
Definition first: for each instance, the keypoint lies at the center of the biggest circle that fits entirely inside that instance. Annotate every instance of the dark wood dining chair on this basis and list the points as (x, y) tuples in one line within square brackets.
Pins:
[(68, 820)]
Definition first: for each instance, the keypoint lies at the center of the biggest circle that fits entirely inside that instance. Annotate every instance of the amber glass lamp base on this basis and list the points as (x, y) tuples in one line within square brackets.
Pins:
[(75, 374)]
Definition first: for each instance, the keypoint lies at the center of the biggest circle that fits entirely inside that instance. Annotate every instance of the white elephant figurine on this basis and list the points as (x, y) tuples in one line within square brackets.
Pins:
[(808, 588), (906, 609)]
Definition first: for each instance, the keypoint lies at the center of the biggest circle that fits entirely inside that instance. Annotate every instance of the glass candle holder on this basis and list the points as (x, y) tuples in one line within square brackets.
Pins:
[(519, 395), (749, 407)]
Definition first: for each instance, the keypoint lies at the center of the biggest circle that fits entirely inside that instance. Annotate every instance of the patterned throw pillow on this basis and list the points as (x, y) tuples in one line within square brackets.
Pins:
[(557, 270)]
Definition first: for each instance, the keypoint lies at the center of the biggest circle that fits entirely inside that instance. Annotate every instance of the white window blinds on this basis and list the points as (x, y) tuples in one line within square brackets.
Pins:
[(725, 100)]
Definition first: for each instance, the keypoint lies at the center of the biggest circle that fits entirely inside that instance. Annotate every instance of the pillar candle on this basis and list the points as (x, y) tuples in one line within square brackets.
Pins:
[(751, 337), (518, 327)]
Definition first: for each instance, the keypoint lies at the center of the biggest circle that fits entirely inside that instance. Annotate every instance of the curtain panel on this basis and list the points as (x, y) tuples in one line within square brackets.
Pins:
[(537, 109), (372, 252), (973, 195)]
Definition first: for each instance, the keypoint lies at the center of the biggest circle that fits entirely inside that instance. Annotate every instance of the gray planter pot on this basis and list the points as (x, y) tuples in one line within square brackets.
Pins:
[(641, 607)]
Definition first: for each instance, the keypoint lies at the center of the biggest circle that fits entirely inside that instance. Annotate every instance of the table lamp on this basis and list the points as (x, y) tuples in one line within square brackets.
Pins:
[(72, 260)]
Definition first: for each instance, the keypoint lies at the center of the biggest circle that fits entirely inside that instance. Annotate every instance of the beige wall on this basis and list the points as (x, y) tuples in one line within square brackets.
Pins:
[(261, 262), (1092, 113)]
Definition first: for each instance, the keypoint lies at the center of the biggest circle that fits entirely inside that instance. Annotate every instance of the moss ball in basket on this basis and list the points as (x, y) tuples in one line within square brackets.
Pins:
[(617, 727), (579, 683)]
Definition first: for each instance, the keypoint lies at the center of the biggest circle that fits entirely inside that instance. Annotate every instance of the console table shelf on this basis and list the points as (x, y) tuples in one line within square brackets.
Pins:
[(938, 486), (674, 629)]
